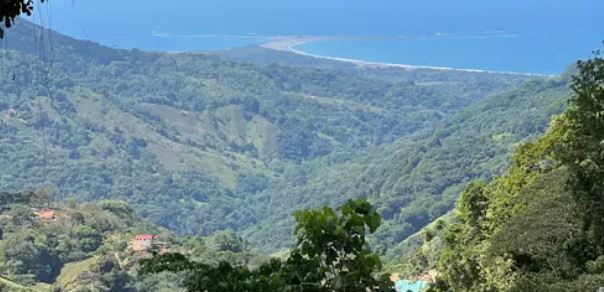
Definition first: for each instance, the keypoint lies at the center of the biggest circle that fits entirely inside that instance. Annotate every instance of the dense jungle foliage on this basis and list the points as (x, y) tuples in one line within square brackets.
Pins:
[(538, 227), (331, 254), (198, 143)]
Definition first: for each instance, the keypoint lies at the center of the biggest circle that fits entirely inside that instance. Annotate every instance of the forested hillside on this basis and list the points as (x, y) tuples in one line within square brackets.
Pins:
[(83, 244), (198, 143), (536, 227), (417, 178), (48, 246)]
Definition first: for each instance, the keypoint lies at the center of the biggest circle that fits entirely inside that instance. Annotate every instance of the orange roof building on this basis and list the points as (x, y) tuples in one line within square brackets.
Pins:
[(47, 214)]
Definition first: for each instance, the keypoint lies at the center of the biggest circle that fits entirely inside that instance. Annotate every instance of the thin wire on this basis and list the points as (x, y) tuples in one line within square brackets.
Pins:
[(77, 18), (3, 53), (50, 34), (44, 80), (49, 58)]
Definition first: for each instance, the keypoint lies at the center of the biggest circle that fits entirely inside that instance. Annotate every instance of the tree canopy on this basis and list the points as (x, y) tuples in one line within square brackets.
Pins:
[(539, 227), (331, 254)]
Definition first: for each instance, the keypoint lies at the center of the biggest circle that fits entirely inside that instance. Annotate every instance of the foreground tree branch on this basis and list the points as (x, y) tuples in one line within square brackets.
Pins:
[(10, 9)]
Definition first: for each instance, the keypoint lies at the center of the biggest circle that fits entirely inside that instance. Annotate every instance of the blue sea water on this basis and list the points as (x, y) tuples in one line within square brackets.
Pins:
[(510, 53), (543, 36)]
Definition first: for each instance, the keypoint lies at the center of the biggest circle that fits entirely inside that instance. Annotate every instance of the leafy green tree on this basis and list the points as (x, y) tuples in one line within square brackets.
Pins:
[(78, 218), (118, 207), (333, 251), (227, 241), (583, 150), (473, 203), (24, 253), (43, 197), (539, 227), (112, 277), (88, 238), (331, 254), (21, 216), (223, 277)]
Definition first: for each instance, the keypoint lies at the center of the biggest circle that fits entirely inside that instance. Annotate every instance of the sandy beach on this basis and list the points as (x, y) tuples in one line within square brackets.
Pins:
[(289, 44)]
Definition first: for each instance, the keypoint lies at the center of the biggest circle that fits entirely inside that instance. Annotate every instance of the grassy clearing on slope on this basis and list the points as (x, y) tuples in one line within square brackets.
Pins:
[(11, 286), (71, 271)]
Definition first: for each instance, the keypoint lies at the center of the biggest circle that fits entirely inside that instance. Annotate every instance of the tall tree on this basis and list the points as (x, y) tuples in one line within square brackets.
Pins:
[(583, 149), (539, 227)]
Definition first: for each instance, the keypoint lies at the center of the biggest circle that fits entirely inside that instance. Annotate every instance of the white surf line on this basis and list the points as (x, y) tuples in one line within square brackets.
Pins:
[(292, 49)]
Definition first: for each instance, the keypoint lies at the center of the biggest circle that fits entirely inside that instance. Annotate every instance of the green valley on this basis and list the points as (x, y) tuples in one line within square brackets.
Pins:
[(197, 143), (217, 153)]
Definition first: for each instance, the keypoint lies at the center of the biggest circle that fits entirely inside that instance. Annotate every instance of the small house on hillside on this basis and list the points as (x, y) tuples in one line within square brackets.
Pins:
[(148, 243), (143, 242)]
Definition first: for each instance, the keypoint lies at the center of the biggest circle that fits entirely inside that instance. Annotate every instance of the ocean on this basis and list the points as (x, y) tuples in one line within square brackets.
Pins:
[(522, 53), (536, 36)]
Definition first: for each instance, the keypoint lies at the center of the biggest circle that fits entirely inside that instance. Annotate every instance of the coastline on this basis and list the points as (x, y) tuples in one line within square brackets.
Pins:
[(289, 44)]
